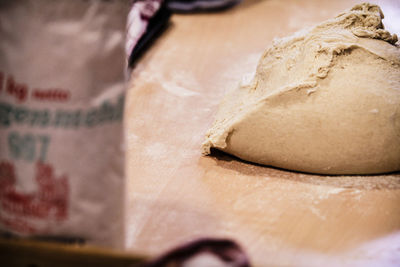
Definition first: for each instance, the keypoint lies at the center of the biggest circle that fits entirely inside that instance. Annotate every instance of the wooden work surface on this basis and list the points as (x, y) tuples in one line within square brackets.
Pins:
[(279, 217)]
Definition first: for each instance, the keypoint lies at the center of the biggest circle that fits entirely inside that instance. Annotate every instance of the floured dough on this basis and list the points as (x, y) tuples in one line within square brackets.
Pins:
[(325, 100)]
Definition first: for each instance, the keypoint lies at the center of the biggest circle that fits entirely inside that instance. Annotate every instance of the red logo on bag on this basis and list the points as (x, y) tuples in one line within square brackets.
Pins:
[(50, 202)]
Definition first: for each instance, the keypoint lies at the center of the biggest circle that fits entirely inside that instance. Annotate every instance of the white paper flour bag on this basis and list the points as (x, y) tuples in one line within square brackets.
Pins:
[(62, 87)]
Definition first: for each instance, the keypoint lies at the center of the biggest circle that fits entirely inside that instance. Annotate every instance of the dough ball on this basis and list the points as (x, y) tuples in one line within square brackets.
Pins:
[(325, 100)]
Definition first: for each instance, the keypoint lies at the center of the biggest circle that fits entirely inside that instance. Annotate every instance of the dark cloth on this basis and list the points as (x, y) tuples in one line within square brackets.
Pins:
[(148, 18), (199, 5)]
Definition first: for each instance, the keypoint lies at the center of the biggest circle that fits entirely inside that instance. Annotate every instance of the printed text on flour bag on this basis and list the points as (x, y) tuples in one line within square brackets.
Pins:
[(50, 200), (21, 211)]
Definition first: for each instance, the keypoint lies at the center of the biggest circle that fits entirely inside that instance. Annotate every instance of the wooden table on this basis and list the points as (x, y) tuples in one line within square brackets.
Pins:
[(281, 218)]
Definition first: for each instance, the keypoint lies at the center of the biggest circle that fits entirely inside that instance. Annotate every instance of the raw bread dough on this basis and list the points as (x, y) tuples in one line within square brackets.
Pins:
[(325, 100)]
